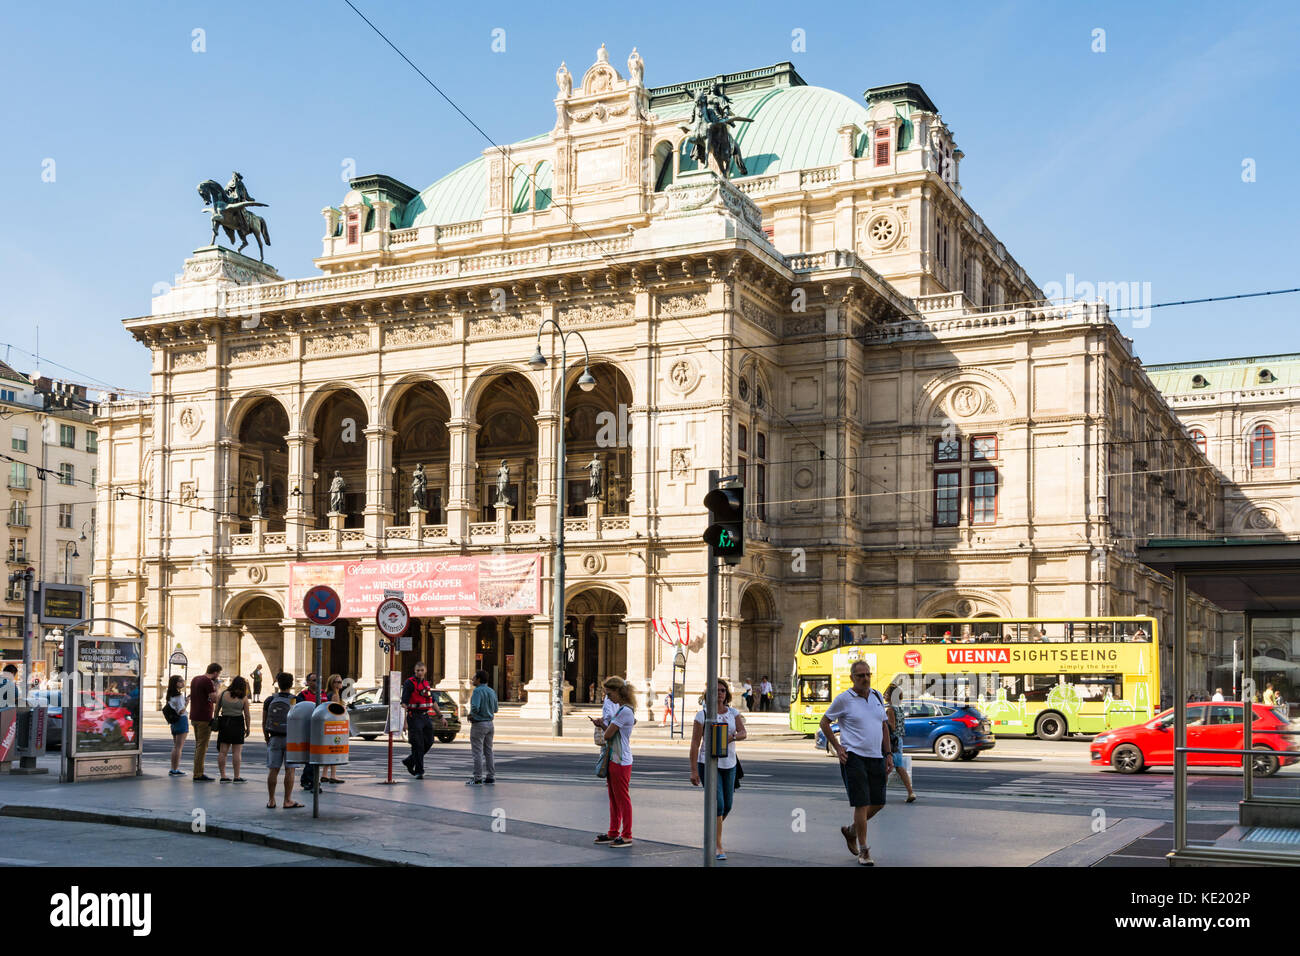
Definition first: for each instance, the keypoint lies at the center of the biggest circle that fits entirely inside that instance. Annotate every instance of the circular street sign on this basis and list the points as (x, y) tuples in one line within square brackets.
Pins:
[(322, 605), (393, 616)]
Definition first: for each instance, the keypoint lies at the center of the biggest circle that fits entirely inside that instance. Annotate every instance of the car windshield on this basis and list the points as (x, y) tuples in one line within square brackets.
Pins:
[(443, 698)]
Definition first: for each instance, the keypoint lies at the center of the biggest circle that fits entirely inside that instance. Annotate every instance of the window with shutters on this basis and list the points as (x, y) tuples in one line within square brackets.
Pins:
[(354, 229), (882, 146)]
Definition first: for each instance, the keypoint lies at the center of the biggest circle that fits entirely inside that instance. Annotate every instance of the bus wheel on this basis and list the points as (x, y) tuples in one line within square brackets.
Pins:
[(1127, 759), (1263, 765), (1050, 727), (948, 747)]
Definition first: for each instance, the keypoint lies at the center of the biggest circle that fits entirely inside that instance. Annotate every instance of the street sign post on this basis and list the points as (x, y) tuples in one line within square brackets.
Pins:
[(393, 618)]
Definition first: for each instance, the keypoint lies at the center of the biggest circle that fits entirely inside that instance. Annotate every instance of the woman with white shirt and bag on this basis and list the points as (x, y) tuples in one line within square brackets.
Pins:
[(614, 730), (726, 765)]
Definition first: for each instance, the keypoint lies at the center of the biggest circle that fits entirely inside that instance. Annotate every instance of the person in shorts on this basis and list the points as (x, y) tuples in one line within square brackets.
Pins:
[(865, 756), (180, 727), (275, 744)]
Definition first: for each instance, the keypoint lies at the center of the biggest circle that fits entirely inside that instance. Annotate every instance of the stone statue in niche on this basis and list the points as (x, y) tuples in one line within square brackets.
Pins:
[(337, 487), (419, 488), (259, 498), (503, 483), (595, 469)]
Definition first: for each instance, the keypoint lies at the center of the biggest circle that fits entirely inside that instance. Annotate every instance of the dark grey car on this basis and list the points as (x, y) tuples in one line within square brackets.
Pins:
[(368, 715)]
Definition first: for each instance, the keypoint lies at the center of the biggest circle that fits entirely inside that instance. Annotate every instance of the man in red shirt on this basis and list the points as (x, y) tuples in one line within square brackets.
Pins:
[(203, 695)]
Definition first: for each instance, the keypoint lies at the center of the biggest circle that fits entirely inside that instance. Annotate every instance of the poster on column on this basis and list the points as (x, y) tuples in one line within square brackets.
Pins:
[(434, 587)]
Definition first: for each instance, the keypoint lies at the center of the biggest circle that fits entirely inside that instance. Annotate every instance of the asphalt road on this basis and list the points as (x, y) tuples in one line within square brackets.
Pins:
[(1030, 775)]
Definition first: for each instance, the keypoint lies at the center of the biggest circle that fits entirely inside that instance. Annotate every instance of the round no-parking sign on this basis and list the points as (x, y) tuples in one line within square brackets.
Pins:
[(392, 617), (321, 604)]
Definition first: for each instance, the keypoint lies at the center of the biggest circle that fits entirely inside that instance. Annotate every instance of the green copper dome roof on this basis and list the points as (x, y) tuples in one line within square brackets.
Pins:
[(794, 127)]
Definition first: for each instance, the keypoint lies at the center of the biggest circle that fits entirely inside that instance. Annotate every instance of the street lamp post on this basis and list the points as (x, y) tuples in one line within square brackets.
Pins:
[(586, 383), (90, 591), (69, 552)]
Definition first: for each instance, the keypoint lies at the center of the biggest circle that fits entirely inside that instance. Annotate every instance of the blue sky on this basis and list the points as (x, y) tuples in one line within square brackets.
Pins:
[(1122, 166)]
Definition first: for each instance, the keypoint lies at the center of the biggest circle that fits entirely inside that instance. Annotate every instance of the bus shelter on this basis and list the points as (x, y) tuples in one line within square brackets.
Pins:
[(1261, 582)]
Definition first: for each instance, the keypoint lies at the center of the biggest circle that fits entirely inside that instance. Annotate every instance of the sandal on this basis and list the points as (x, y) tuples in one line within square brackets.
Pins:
[(292, 806), (911, 799), (271, 805)]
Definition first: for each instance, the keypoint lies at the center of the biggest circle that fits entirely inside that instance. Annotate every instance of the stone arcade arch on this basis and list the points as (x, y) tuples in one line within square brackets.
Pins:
[(594, 623), (759, 650), (263, 452), (339, 427), (599, 424), (260, 638), (420, 437), (505, 413)]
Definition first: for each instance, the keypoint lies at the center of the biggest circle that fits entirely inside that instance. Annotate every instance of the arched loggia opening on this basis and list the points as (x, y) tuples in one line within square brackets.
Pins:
[(596, 633), (599, 427), (506, 415), (261, 638), (759, 655), (264, 456), (502, 647), (339, 426), (421, 438)]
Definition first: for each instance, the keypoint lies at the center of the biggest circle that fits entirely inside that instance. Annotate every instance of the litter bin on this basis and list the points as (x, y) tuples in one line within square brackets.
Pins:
[(297, 738), (330, 730)]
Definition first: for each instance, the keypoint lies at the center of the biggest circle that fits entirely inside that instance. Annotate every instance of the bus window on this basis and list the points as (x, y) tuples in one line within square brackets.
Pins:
[(1141, 635), (815, 690), (940, 631), (1095, 687), (891, 633), (820, 639), (1053, 632), (989, 633), (847, 635)]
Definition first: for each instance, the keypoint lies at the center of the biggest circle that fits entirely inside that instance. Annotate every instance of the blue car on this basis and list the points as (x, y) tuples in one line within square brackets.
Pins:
[(953, 730)]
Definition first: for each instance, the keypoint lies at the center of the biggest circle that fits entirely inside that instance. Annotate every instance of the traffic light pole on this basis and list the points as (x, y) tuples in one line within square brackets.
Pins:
[(711, 706)]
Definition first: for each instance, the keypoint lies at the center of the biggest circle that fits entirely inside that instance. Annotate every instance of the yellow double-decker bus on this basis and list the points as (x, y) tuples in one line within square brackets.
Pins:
[(1045, 677)]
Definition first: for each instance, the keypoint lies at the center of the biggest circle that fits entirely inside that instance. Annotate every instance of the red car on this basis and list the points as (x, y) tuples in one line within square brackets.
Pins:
[(1216, 724)]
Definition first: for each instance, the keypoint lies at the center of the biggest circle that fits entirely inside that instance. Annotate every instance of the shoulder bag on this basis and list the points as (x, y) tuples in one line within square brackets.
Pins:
[(611, 750)]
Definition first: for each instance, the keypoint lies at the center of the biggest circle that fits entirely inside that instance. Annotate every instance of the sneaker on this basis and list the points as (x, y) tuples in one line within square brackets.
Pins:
[(621, 841), (175, 773), (490, 780), (851, 838), (603, 838), (865, 858), (204, 778), (473, 783)]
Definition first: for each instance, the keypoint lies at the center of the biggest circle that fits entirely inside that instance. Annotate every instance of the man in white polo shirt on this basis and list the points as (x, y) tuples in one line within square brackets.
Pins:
[(863, 749)]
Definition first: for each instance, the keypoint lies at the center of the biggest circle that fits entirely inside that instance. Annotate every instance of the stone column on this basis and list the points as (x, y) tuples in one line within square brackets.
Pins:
[(378, 511), (639, 668), (460, 472), (458, 657), (298, 515), (374, 662), (538, 705), (433, 652), (544, 507), (296, 647)]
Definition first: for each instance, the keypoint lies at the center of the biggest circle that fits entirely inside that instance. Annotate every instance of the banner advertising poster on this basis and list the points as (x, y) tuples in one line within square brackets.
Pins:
[(108, 705), (433, 587)]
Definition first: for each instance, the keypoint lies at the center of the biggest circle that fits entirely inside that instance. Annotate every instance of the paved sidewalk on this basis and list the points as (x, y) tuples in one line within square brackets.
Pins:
[(441, 822)]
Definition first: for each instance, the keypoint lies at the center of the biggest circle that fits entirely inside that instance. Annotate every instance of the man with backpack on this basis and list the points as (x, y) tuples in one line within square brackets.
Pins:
[(275, 728), (865, 756)]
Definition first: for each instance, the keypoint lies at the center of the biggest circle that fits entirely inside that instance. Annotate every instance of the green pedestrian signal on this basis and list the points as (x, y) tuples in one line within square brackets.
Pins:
[(726, 533)]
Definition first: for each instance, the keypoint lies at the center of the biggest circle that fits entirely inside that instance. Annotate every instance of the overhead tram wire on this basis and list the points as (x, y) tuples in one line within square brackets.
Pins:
[(823, 456), (87, 379)]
